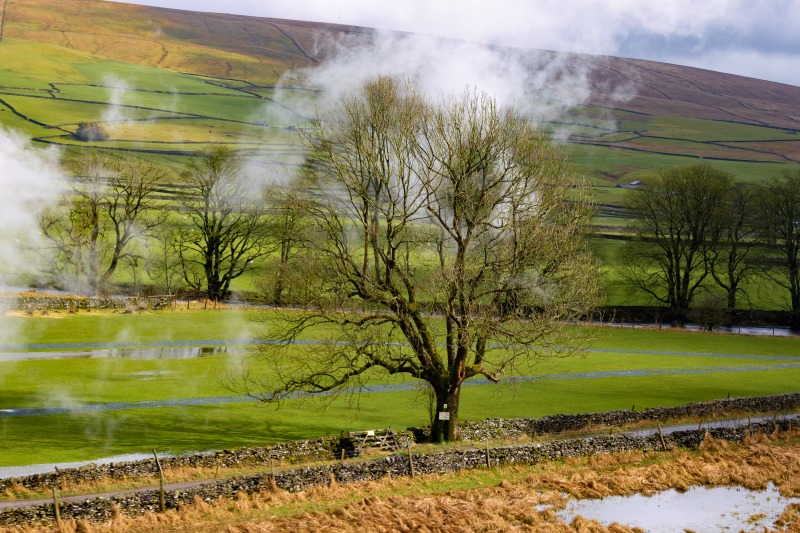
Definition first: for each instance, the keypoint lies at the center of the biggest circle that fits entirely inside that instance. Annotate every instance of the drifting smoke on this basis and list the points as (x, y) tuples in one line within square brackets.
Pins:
[(117, 91)]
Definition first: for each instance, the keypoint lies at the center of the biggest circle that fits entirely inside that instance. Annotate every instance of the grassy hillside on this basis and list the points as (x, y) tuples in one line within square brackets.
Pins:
[(254, 49), (166, 83)]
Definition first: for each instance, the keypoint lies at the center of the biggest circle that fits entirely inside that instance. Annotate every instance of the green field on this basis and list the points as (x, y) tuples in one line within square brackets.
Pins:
[(621, 369)]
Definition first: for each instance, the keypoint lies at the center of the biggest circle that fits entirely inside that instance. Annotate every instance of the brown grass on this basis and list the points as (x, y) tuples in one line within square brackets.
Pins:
[(499, 500)]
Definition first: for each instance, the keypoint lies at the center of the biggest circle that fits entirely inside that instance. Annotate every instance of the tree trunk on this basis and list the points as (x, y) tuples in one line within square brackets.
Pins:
[(678, 318), (446, 430), (794, 321)]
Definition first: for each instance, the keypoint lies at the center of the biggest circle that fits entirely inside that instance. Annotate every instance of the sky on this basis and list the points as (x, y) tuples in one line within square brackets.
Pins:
[(755, 38)]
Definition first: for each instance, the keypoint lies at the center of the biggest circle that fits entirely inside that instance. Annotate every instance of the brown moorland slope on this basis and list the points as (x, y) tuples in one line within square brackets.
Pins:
[(217, 45), (665, 89)]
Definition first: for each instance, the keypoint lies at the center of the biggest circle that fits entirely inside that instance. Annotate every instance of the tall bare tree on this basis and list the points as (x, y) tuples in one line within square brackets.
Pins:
[(224, 233), (678, 213), (288, 228), (107, 206), (732, 258), (449, 245), (779, 213)]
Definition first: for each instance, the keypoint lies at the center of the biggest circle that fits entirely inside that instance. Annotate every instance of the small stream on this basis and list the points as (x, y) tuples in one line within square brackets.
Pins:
[(697, 509), (729, 423)]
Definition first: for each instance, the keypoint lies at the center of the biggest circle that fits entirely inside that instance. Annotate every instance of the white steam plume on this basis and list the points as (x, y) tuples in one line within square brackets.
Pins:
[(122, 95), (541, 84), (29, 181), (116, 113)]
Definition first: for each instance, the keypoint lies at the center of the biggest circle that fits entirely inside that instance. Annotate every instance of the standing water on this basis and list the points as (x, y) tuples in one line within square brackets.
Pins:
[(697, 509)]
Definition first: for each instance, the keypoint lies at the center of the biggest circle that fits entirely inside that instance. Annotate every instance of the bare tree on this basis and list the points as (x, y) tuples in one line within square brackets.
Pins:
[(779, 222), (449, 245), (163, 260), (288, 228), (678, 213), (732, 258), (107, 206), (224, 233)]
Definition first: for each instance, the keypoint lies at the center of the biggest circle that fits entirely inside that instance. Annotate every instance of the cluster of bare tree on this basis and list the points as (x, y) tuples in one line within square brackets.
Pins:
[(116, 213), (699, 234)]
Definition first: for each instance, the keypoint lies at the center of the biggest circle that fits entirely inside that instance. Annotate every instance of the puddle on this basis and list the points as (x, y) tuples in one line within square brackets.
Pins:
[(697, 509)]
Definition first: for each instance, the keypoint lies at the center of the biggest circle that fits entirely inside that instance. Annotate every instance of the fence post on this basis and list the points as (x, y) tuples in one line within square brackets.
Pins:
[(488, 457), (162, 504), (57, 510), (410, 460), (3, 20)]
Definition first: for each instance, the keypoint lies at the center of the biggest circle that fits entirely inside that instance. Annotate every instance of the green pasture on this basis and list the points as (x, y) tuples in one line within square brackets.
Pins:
[(24, 128), (600, 162), (186, 130), (152, 88), (664, 368), (133, 329), (55, 112), (88, 435)]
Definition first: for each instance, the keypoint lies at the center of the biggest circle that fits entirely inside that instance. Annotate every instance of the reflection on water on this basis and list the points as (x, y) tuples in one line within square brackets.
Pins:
[(182, 352), (698, 509)]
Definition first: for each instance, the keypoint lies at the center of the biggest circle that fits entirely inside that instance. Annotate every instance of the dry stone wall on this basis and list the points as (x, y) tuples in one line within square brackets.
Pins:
[(496, 428), (327, 448), (32, 302), (301, 479)]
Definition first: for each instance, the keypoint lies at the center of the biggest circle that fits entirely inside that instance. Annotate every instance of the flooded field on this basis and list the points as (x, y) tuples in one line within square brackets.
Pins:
[(178, 352)]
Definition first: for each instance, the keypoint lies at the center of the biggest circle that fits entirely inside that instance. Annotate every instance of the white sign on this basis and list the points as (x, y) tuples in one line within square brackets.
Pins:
[(444, 415)]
